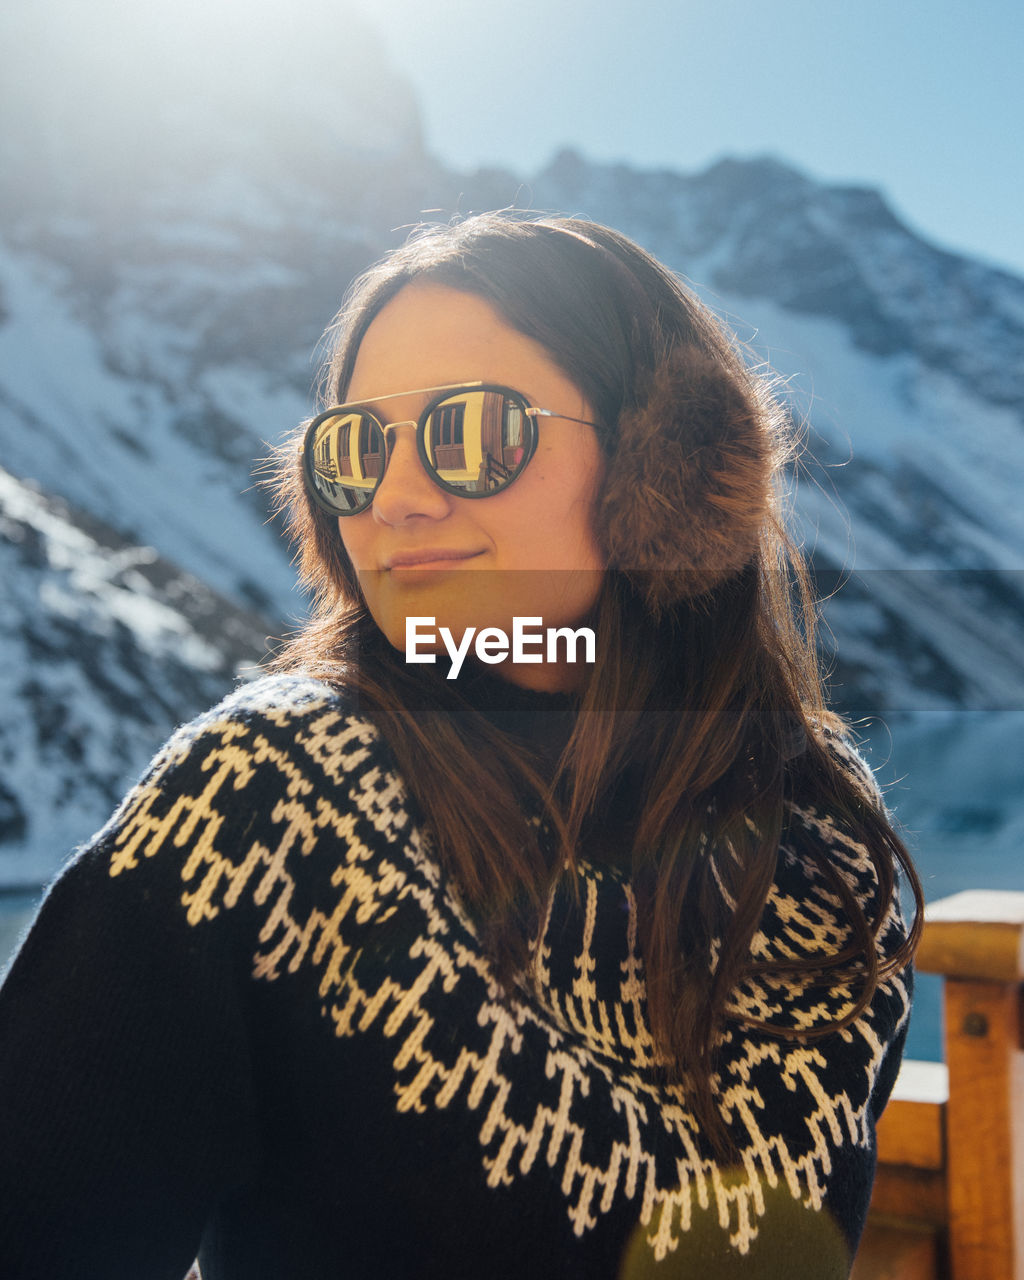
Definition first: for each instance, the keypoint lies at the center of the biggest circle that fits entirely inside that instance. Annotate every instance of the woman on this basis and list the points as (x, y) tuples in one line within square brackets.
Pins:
[(557, 967)]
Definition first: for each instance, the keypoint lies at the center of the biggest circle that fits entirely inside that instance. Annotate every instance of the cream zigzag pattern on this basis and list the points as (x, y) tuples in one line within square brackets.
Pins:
[(592, 1046)]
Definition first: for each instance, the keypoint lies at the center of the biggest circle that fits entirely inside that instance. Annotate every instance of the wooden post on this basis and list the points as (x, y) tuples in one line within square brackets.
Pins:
[(976, 940)]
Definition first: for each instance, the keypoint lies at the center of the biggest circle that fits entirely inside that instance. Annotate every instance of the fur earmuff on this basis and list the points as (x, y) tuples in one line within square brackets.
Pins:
[(689, 480)]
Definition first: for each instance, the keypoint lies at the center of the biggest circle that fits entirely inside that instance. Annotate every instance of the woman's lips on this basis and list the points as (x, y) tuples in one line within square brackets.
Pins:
[(427, 558)]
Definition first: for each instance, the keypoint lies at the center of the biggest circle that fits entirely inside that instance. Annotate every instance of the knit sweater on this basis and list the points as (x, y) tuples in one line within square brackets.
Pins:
[(254, 1020)]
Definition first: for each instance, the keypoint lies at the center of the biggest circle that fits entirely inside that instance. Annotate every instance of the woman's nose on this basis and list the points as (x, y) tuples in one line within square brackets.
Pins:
[(405, 490)]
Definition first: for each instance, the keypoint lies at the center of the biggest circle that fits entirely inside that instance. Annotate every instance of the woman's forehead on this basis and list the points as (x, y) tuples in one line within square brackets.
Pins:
[(432, 335)]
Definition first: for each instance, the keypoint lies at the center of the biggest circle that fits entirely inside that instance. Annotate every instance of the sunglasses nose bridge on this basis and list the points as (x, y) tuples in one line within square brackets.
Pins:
[(393, 426), (406, 487), (389, 440)]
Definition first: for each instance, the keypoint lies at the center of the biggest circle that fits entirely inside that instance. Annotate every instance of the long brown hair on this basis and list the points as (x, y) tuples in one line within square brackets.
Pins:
[(701, 700)]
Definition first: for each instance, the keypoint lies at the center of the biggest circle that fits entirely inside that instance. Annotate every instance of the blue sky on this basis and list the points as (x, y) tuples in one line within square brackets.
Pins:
[(924, 101)]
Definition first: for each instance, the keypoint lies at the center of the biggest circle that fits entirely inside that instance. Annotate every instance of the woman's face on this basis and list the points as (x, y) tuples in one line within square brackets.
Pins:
[(528, 551)]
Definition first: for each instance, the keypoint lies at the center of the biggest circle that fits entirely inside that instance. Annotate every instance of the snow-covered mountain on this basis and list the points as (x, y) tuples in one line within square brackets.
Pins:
[(103, 645), (158, 311)]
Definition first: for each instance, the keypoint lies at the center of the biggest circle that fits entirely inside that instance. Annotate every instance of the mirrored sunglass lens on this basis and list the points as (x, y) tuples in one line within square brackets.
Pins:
[(476, 440), (346, 459)]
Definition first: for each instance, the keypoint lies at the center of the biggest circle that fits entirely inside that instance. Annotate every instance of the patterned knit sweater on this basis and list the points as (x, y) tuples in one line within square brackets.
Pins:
[(253, 1020)]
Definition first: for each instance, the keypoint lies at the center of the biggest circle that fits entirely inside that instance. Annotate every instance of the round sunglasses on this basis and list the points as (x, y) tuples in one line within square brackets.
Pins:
[(473, 439)]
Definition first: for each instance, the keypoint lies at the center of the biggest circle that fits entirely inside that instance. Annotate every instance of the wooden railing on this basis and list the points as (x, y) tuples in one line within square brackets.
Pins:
[(948, 1202)]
